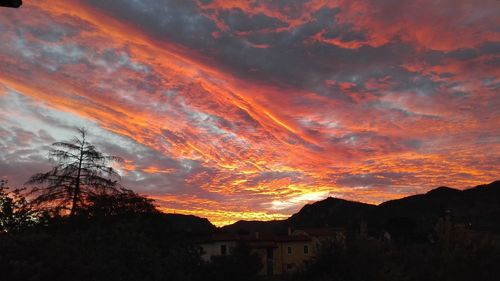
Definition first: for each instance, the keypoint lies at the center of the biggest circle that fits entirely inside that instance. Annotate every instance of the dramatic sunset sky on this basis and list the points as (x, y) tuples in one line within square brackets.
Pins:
[(248, 109)]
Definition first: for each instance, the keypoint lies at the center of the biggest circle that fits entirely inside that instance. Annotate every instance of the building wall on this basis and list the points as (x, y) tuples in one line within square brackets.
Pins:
[(296, 257), (214, 249), (276, 260)]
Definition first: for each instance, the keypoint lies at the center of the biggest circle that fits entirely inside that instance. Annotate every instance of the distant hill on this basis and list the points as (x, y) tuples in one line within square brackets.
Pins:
[(483, 206), (478, 207), (188, 223), (468, 205), (330, 212), (247, 227)]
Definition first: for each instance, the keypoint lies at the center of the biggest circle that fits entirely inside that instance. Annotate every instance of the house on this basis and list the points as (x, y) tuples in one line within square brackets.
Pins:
[(280, 254)]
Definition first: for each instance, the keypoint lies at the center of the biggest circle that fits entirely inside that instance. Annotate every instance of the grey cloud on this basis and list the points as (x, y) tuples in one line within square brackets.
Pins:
[(273, 175), (289, 59), (372, 142), (142, 157), (372, 179), (177, 20), (237, 20)]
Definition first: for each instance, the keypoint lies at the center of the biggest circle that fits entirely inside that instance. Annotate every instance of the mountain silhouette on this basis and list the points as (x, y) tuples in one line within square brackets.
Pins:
[(188, 223), (331, 212), (478, 207)]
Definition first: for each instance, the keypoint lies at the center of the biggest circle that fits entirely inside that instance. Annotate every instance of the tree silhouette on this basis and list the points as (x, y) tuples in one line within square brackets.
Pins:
[(81, 172), (11, 3), (125, 203), (16, 213)]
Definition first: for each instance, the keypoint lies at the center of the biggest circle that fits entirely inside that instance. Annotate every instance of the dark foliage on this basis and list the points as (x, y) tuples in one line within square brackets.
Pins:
[(16, 214), (241, 265), (11, 3), (123, 203), (127, 247), (357, 260), (454, 257), (115, 237), (80, 174)]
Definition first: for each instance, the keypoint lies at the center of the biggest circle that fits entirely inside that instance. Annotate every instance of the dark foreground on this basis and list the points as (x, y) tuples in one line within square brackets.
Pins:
[(114, 245)]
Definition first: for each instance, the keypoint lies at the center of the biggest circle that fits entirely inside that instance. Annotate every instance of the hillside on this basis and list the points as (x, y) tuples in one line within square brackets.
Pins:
[(478, 207), (331, 212), (188, 223)]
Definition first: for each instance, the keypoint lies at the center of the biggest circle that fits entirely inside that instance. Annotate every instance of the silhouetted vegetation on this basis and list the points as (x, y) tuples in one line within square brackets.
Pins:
[(16, 214), (241, 264), (454, 255), (81, 174), (130, 240), (11, 3), (125, 247), (123, 203)]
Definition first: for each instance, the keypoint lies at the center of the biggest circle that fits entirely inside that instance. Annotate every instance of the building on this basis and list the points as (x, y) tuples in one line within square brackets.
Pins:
[(280, 254)]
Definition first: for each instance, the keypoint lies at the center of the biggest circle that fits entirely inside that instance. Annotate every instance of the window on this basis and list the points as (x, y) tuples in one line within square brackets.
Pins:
[(289, 266), (289, 250), (306, 249), (223, 249)]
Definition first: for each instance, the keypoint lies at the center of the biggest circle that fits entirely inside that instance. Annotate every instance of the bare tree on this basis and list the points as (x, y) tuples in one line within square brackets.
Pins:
[(80, 172)]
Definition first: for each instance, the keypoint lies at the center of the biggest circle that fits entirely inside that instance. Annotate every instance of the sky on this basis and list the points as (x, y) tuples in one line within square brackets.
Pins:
[(249, 109)]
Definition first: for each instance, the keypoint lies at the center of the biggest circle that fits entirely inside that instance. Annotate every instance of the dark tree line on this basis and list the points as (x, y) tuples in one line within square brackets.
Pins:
[(16, 212), (454, 255)]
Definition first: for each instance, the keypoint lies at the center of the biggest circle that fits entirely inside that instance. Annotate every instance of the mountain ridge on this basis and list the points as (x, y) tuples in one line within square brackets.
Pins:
[(479, 205)]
